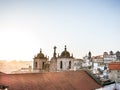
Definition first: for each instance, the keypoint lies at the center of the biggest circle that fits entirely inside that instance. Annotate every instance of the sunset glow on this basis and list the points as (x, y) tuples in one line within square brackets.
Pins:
[(26, 26)]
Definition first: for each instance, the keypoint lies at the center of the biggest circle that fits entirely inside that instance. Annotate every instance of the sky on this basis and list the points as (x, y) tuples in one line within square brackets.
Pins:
[(81, 25)]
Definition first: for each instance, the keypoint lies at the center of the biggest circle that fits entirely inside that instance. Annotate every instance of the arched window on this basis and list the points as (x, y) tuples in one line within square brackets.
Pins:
[(43, 65), (36, 64), (69, 64), (61, 65)]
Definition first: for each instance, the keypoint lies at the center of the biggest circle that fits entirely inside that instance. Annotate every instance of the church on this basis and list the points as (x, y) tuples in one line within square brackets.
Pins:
[(63, 62)]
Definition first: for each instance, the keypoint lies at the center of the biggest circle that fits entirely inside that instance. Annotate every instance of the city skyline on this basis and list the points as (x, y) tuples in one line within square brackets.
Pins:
[(27, 26)]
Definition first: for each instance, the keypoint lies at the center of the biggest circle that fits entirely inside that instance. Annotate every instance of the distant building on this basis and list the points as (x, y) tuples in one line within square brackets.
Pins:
[(78, 64), (23, 70), (87, 61), (118, 55), (114, 75), (64, 62), (98, 63), (108, 58), (114, 69), (98, 60)]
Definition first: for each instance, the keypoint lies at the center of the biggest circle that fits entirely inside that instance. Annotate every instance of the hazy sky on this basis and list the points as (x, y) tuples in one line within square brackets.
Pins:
[(82, 25)]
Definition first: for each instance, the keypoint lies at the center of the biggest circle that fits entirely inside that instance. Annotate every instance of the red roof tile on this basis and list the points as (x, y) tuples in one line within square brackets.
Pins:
[(78, 80), (114, 66)]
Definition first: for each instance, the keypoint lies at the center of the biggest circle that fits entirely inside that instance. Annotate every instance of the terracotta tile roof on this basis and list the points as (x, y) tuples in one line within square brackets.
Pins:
[(114, 66), (73, 80)]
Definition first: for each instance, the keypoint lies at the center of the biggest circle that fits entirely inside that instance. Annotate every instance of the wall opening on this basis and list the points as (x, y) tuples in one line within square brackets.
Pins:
[(43, 65), (36, 64), (69, 64), (61, 64)]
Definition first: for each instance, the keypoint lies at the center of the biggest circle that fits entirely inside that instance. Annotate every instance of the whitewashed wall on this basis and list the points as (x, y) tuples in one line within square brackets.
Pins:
[(65, 64)]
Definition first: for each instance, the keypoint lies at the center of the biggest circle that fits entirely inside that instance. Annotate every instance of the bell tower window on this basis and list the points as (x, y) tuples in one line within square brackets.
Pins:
[(61, 64), (43, 65), (36, 64), (69, 64)]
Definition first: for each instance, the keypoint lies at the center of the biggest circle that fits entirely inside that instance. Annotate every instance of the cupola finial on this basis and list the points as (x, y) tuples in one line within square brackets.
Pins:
[(65, 48)]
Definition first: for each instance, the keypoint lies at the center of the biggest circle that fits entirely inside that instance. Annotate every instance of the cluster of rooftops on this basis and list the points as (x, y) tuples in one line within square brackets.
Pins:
[(73, 80)]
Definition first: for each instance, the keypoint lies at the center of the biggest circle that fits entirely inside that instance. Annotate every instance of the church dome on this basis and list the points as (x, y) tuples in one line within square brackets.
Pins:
[(65, 53), (40, 55)]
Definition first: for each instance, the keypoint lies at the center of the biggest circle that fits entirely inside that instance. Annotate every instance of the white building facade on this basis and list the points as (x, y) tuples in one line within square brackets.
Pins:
[(64, 64), (87, 61), (108, 58), (65, 61)]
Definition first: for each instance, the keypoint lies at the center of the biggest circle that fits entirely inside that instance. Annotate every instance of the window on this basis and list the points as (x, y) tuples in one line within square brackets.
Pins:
[(69, 64), (36, 64), (61, 66), (43, 65)]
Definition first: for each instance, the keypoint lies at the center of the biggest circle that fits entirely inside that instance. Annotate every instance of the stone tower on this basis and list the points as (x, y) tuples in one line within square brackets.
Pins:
[(40, 62), (53, 62)]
